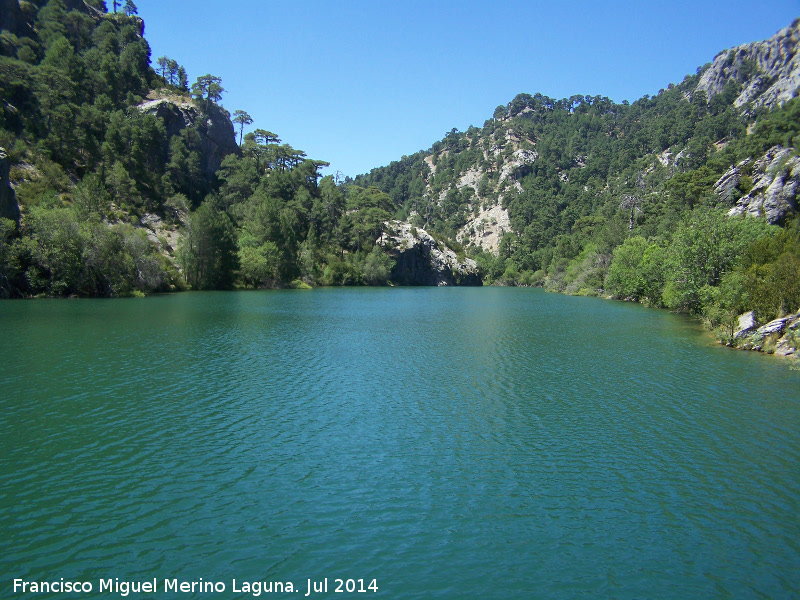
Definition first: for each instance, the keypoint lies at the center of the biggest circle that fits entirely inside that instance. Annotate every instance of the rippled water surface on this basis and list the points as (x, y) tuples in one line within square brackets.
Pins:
[(450, 443)]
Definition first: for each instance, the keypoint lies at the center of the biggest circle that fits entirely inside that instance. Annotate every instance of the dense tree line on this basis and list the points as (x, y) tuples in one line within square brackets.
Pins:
[(69, 84)]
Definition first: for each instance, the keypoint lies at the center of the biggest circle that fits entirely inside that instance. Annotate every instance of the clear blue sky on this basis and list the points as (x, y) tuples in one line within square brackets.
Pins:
[(360, 83)]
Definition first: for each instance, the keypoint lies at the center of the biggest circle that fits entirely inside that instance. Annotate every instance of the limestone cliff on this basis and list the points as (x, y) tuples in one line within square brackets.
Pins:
[(780, 336), (486, 228), (776, 182), (422, 260), (489, 220), (217, 136), (768, 71)]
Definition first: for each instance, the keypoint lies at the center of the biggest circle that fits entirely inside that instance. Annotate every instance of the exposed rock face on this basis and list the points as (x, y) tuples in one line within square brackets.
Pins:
[(773, 326), (487, 228), (9, 208), (726, 186), (11, 17), (747, 323), (518, 165), (776, 181), (784, 333), (216, 129), (163, 234), (768, 71), (421, 260), (431, 166), (507, 158), (472, 178)]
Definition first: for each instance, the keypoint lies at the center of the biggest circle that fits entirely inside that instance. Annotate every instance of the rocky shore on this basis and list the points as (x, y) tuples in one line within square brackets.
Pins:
[(780, 336)]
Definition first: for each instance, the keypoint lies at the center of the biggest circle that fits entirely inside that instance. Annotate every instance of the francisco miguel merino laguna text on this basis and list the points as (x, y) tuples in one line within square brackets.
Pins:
[(123, 588)]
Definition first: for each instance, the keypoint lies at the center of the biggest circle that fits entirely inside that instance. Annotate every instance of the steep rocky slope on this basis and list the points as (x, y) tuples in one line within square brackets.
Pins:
[(422, 260), (776, 181), (541, 165), (217, 137), (768, 71)]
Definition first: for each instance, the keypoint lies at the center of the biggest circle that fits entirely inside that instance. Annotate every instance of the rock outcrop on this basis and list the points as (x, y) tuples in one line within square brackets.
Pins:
[(217, 136), (518, 164), (747, 323), (489, 221), (727, 185), (768, 72), (779, 336), (12, 18), (9, 208), (776, 182), (421, 260), (486, 229)]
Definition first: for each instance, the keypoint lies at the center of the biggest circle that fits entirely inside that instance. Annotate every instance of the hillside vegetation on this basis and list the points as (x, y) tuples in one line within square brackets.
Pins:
[(642, 201), (118, 178)]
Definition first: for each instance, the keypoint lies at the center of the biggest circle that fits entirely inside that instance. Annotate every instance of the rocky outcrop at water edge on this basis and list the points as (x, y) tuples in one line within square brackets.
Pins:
[(779, 336), (422, 260)]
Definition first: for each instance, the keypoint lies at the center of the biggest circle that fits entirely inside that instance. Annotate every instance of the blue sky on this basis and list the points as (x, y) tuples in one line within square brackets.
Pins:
[(361, 83)]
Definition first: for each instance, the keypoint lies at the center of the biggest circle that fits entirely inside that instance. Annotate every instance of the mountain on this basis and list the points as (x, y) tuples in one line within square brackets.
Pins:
[(587, 196), (540, 165)]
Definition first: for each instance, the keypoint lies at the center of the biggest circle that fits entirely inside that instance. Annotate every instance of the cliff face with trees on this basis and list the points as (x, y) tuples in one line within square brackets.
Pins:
[(122, 178), (119, 178)]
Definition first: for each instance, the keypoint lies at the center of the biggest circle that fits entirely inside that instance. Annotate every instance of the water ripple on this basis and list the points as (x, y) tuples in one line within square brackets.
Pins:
[(451, 443)]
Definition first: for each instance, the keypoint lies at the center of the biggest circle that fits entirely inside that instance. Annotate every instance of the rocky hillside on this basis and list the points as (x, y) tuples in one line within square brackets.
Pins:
[(669, 200), (117, 178), (768, 71), (101, 157), (686, 199), (775, 179), (540, 165)]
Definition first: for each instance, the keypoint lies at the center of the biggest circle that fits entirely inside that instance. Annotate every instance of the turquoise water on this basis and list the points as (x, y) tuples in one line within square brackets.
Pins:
[(447, 443)]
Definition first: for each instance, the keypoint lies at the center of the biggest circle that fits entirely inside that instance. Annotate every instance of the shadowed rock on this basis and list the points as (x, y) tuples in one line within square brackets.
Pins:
[(9, 208), (422, 260)]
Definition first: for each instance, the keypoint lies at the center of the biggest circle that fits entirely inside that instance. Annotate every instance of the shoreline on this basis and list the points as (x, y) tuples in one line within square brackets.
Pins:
[(779, 337)]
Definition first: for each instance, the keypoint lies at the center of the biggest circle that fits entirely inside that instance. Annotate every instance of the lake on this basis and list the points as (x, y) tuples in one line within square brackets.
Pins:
[(439, 442)]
